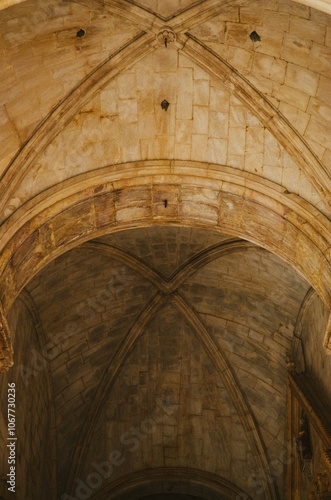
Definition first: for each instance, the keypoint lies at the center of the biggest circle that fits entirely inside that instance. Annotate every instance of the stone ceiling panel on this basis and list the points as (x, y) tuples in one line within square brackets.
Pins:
[(43, 59), (249, 303), (87, 301), (125, 122), (254, 288), (169, 407), (289, 63), (165, 248), (83, 330)]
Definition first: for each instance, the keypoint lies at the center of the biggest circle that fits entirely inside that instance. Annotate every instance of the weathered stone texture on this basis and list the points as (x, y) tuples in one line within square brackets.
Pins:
[(43, 60), (82, 339), (167, 248), (197, 427), (235, 315), (34, 425), (203, 122), (317, 363), (287, 64), (162, 343)]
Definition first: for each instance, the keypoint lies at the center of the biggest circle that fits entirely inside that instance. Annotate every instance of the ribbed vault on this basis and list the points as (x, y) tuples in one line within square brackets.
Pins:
[(165, 246), (141, 295), (198, 52)]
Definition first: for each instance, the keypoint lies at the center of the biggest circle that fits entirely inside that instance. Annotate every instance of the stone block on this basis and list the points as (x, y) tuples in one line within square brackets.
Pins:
[(75, 222), (147, 128), (237, 116), (144, 79), (201, 92), (271, 42), (301, 79), (126, 86), (271, 426), (237, 140), (165, 59), (254, 163), (164, 146), (218, 124), (275, 21), (306, 29), (295, 9), (183, 132), (292, 96), (219, 99), (147, 149), (241, 59), (128, 110), (251, 15), (200, 120), (199, 147), (236, 161), (104, 210), (238, 450), (210, 31), (237, 34), (217, 151), (328, 37), (320, 111), (199, 211), (165, 201), (254, 139), (319, 132), (320, 58), (182, 151), (199, 73), (109, 102), (324, 89)]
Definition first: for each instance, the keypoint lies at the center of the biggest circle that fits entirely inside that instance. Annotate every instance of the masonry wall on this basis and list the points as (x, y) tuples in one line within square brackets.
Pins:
[(33, 447), (312, 366), (317, 362), (169, 407)]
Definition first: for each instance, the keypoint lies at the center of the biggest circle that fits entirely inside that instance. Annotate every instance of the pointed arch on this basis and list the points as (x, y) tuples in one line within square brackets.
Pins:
[(253, 437), (200, 195), (66, 109), (196, 51), (264, 110), (179, 479)]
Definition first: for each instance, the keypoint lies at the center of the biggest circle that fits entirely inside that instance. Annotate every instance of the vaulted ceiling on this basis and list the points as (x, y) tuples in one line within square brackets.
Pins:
[(202, 319), (165, 239)]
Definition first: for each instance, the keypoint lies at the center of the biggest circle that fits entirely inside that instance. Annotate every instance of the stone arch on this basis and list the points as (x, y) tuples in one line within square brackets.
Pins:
[(140, 46), (179, 480), (59, 117), (167, 290), (201, 195)]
